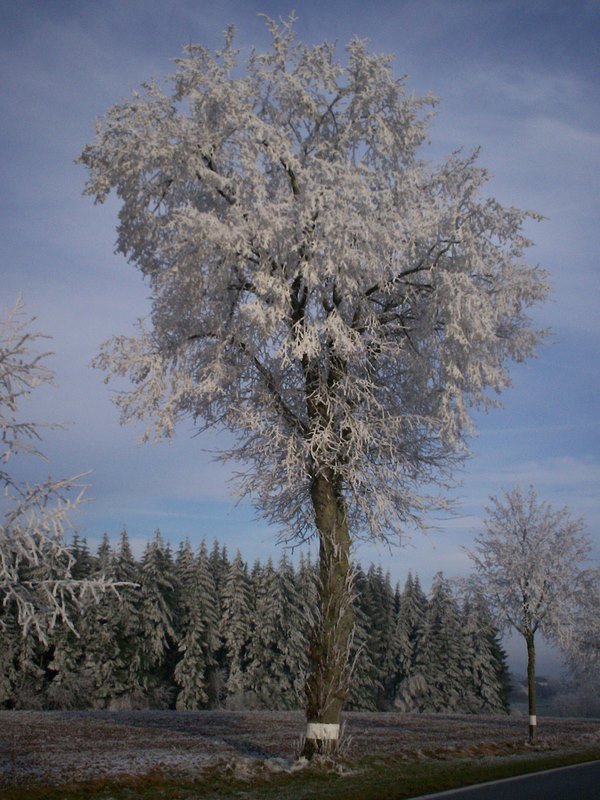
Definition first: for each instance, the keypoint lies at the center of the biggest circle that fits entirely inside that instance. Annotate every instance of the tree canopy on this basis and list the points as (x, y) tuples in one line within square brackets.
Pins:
[(336, 302)]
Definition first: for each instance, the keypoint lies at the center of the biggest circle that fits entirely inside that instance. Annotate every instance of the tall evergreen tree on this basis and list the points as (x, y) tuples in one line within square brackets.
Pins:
[(219, 565), (236, 628), (195, 672), (157, 607), (70, 687), (363, 680), (379, 605), (129, 618), (104, 556), (83, 564), (439, 659), (277, 642), (483, 660), (408, 637), (112, 631)]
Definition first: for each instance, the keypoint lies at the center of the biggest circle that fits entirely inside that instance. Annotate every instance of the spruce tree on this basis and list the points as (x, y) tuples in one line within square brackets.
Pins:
[(483, 660), (104, 556), (219, 566), (157, 607), (275, 667), (70, 687), (408, 638), (184, 570), (129, 621), (379, 605), (363, 686), (111, 632), (439, 661), (295, 631), (83, 565), (236, 629), (195, 671)]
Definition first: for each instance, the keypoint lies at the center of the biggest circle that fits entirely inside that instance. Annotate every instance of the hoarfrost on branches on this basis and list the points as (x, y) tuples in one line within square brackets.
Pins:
[(530, 564), (334, 301), (35, 565), (317, 289)]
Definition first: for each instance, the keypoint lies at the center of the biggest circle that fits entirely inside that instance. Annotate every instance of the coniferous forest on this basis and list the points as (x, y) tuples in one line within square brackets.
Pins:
[(195, 630)]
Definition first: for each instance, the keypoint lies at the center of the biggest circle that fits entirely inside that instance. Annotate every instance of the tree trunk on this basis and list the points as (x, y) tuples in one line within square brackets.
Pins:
[(328, 679), (531, 687)]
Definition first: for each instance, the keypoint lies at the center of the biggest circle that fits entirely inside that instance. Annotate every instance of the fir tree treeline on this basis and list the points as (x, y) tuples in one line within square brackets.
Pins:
[(201, 630)]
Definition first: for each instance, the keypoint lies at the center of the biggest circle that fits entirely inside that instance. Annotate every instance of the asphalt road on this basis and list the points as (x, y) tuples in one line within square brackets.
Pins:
[(578, 782)]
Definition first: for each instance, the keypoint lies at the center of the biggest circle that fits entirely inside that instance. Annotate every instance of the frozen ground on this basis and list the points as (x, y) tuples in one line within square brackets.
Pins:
[(55, 747)]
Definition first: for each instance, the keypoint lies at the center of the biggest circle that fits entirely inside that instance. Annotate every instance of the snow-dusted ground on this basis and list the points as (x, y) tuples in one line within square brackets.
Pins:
[(55, 747)]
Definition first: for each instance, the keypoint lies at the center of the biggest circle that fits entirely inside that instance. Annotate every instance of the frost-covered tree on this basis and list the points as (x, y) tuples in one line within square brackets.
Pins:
[(34, 516), (485, 681), (581, 649), (378, 602), (363, 680), (336, 302), (529, 564), (111, 630), (407, 637), (437, 663), (278, 641), (158, 594), (71, 685), (199, 641), (236, 628)]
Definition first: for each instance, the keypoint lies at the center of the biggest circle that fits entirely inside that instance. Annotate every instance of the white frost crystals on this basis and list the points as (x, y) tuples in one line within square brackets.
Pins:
[(336, 303), (530, 563), (317, 289), (34, 561)]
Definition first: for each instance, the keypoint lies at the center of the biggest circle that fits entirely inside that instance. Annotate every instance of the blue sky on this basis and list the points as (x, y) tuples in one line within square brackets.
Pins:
[(518, 79)]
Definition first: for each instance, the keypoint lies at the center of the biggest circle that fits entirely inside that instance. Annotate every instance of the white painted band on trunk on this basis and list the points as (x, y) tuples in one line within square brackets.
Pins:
[(533, 720), (322, 730)]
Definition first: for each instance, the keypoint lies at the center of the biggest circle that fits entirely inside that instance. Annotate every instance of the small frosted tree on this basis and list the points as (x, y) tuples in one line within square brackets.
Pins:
[(529, 565), (336, 302), (35, 563)]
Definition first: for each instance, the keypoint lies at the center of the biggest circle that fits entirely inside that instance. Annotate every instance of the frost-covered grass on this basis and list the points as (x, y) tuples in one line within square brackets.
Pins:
[(372, 778), (156, 754)]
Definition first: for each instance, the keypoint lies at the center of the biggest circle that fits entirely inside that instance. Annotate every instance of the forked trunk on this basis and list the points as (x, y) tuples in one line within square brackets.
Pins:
[(328, 678), (531, 687)]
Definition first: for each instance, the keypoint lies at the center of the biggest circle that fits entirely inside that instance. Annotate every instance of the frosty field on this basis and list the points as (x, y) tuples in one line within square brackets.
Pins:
[(56, 748)]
